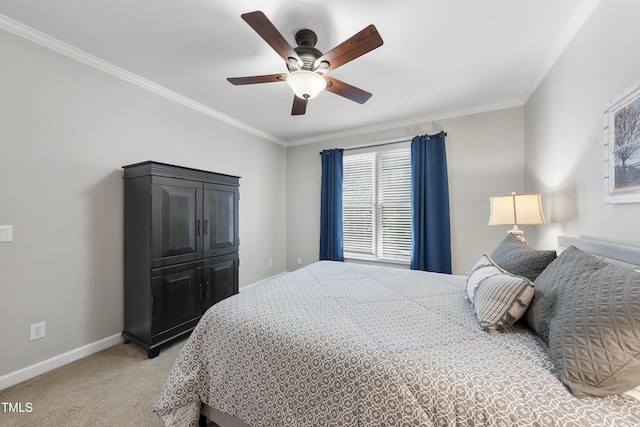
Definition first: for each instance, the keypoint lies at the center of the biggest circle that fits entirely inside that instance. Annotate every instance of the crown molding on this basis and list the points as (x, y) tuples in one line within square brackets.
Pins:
[(59, 46), (582, 13), (410, 121)]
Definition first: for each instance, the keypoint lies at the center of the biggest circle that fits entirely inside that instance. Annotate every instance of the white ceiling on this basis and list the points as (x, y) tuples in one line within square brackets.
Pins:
[(440, 58)]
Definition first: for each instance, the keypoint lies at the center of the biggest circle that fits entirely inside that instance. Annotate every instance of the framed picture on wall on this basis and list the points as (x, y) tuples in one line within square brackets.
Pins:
[(622, 147)]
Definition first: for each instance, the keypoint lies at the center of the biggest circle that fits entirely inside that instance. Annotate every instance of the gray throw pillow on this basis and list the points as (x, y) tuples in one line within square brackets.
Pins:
[(588, 311), (520, 259)]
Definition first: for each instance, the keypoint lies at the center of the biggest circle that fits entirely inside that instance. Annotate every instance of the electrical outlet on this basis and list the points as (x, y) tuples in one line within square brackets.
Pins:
[(270, 263), (36, 331), (6, 233), (299, 260)]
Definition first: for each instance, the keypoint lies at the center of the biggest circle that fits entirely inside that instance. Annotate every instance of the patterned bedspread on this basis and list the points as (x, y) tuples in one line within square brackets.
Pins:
[(339, 344)]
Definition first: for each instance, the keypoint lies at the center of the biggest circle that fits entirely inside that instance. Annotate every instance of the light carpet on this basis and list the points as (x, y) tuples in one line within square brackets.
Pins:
[(114, 387)]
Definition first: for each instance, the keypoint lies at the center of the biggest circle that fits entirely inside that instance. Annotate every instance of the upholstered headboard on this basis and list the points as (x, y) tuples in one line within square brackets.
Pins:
[(627, 256)]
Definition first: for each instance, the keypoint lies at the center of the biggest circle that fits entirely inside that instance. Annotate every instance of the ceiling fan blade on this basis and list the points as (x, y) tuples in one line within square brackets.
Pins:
[(345, 89), (299, 106), (265, 28), (359, 44), (258, 79)]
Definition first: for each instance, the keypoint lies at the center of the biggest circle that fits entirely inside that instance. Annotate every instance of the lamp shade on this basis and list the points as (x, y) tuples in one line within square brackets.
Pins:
[(516, 209), (306, 84)]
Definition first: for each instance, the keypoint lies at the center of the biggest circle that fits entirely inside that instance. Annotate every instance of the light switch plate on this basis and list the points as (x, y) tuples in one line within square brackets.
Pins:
[(6, 233)]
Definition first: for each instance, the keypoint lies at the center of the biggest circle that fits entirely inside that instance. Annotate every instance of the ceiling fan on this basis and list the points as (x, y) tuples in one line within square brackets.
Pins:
[(307, 65)]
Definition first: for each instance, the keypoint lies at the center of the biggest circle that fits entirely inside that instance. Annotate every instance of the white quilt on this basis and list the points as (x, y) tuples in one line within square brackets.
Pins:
[(339, 344)]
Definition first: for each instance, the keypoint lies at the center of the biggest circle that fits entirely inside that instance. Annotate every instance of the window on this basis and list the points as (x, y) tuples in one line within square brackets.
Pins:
[(376, 203)]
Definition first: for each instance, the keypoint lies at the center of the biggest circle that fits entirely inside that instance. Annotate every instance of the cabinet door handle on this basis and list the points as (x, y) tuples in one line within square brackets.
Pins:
[(206, 226), (200, 298), (199, 227)]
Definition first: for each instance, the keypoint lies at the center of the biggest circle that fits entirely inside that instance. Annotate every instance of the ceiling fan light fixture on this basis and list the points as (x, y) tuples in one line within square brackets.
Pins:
[(306, 84)]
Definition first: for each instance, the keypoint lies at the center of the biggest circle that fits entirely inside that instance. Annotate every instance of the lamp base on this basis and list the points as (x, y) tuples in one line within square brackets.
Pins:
[(518, 233)]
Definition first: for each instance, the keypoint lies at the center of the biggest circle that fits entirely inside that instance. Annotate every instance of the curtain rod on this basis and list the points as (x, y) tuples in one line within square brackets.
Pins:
[(379, 145)]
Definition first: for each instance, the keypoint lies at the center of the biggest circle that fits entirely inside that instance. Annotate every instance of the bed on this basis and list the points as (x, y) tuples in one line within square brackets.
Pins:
[(343, 344)]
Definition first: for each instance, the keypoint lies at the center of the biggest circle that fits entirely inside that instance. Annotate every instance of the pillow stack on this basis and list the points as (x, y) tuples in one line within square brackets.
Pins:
[(500, 286), (586, 309)]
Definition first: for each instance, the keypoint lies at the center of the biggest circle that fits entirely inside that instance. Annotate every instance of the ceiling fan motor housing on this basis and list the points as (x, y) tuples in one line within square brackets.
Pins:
[(306, 40)]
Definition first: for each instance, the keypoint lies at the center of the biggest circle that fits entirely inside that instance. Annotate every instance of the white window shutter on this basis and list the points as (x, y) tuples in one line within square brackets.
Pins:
[(358, 204), (394, 205), (377, 205)]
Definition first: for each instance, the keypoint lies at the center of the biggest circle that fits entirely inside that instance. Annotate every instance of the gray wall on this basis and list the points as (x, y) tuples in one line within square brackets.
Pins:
[(563, 128), (65, 131), (485, 157)]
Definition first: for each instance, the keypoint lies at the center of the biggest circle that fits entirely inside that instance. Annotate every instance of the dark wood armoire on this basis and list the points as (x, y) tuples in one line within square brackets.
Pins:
[(180, 249)]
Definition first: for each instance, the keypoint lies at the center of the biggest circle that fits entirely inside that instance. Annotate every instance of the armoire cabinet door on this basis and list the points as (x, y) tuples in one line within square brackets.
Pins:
[(176, 221), (220, 219), (221, 279), (176, 297)]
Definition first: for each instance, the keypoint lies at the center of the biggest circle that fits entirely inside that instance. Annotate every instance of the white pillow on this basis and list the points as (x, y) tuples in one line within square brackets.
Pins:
[(483, 269), (499, 298), (634, 392)]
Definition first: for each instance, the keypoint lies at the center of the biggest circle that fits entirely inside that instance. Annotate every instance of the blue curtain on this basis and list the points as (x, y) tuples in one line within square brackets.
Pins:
[(331, 246), (430, 221)]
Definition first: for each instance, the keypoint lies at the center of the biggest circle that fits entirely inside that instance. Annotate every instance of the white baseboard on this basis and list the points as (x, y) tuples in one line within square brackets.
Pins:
[(29, 372), (260, 282), (55, 362)]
